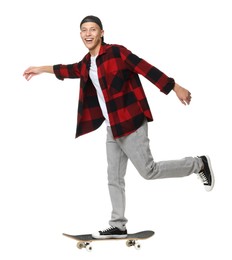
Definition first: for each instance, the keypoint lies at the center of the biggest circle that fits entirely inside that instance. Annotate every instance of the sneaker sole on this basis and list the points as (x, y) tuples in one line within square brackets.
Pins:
[(108, 236), (210, 187)]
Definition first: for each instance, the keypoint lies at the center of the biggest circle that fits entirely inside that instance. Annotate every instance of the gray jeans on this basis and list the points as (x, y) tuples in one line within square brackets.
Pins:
[(136, 148)]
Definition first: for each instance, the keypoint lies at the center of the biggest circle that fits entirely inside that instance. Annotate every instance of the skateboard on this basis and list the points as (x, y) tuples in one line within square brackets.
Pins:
[(84, 241)]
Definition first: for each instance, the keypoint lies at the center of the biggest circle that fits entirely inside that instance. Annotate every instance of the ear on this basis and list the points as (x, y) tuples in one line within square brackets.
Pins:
[(102, 33)]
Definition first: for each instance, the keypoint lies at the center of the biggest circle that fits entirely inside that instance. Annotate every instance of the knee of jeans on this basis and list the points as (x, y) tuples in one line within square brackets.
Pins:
[(116, 180), (149, 171), (147, 176)]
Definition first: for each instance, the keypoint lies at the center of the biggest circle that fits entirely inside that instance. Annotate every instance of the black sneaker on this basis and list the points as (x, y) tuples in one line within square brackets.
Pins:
[(111, 232), (206, 175)]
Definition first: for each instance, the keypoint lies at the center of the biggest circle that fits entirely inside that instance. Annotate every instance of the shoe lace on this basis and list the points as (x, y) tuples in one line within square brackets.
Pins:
[(203, 177), (108, 229)]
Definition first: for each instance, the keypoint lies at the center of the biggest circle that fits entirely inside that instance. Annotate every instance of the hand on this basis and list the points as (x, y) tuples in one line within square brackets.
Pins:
[(31, 72), (183, 94)]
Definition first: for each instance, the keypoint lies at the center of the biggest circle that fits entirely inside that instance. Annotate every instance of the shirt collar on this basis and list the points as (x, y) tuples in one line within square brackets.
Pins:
[(102, 50)]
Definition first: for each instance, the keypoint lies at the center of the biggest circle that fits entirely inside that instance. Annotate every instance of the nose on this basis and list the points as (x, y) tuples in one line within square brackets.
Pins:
[(88, 32)]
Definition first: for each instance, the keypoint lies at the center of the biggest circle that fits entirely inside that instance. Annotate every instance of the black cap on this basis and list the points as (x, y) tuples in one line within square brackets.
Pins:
[(92, 19)]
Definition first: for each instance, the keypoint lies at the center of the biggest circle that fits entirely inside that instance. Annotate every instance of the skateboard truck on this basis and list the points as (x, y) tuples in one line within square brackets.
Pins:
[(86, 245), (134, 243)]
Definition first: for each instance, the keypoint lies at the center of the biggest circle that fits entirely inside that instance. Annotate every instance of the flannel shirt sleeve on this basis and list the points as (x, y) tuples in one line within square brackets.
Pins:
[(154, 75), (67, 71)]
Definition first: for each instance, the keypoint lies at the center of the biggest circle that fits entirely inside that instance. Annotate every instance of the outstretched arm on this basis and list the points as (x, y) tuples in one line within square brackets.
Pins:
[(33, 71), (183, 94)]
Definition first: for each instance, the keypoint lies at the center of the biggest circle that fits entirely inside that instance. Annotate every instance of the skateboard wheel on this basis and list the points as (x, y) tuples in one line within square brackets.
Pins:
[(129, 243), (137, 245), (89, 248), (80, 245)]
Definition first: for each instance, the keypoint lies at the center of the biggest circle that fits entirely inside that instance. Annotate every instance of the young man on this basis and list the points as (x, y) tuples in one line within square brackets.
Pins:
[(111, 91)]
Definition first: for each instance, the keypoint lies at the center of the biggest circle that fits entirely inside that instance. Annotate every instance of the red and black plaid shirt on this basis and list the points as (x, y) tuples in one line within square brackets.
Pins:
[(126, 103)]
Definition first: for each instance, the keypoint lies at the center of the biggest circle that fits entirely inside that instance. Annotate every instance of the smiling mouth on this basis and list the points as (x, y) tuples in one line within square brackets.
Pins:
[(89, 40)]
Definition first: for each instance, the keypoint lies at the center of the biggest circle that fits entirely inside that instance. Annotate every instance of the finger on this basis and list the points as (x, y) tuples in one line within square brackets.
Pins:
[(182, 101), (189, 99), (27, 70), (25, 76), (28, 76)]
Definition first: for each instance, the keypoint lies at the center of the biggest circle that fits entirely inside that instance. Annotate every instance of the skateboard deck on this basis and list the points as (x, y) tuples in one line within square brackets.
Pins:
[(85, 240)]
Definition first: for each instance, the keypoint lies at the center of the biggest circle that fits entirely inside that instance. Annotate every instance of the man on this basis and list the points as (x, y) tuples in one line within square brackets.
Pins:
[(111, 91)]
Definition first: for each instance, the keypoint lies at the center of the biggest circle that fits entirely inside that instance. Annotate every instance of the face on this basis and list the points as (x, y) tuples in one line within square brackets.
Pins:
[(91, 35)]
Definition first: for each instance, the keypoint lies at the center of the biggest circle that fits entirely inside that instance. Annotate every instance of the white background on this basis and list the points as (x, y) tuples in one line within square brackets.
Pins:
[(51, 183)]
